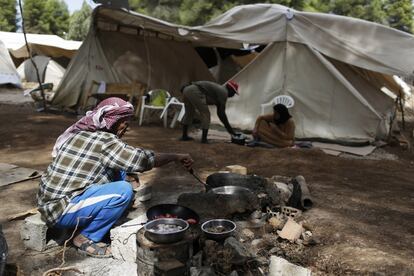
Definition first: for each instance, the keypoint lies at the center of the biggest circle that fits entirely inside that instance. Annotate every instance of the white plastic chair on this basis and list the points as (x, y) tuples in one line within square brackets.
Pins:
[(178, 115), (150, 95), (286, 100)]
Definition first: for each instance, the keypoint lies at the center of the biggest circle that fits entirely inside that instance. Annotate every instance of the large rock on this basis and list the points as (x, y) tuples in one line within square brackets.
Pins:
[(210, 205), (34, 233), (281, 267), (240, 253), (202, 271)]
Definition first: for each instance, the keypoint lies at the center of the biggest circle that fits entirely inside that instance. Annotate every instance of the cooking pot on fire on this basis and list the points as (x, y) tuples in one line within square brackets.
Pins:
[(166, 230)]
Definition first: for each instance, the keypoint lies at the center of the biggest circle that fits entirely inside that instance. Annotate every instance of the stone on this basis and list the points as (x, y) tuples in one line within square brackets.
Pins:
[(291, 231), (236, 169), (202, 271), (234, 273), (143, 193), (246, 234), (279, 192), (276, 251), (105, 266), (256, 242), (210, 205), (277, 222), (124, 239), (197, 260), (33, 233), (307, 235), (262, 261), (170, 268), (281, 267), (240, 253)]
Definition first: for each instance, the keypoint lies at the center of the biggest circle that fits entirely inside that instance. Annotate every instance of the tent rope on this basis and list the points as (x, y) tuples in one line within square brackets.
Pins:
[(148, 58), (42, 92)]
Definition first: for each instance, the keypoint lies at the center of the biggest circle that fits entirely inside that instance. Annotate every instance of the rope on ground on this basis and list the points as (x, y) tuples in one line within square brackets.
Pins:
[(60, 268)]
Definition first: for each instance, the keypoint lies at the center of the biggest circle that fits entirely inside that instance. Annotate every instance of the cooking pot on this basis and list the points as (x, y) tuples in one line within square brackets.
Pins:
[(227, 228), (152, 234)]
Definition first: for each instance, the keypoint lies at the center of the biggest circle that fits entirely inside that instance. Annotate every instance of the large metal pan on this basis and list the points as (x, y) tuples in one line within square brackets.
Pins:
[(152, 234), (231, 190), (174, 210)]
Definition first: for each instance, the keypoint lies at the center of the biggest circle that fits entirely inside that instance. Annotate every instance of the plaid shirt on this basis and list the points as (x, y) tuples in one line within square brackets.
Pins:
[(87, 158)]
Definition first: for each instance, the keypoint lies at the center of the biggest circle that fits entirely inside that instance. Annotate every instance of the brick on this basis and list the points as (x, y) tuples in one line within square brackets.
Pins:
[(281, 267), (33, 233)]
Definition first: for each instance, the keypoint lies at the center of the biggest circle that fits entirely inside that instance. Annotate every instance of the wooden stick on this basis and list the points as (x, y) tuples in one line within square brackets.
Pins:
[(60, 269), (22, 214)]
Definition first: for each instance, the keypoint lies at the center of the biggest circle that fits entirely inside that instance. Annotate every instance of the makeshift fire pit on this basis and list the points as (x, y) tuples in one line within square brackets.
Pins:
[(165, 258), (243, 228)]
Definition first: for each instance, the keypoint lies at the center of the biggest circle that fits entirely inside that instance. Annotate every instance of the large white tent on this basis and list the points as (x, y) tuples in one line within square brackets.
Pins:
[(49, 70), (41, 44), (8, 73), (333, 73)]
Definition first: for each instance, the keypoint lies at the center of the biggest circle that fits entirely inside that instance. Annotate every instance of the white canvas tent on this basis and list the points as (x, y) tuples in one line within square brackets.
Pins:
[(41, 44), (8, 73), (334, 74), (50, 71)]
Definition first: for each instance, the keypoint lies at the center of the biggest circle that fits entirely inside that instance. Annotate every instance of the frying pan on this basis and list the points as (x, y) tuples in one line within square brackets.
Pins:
[(179, 211), (172, 209)]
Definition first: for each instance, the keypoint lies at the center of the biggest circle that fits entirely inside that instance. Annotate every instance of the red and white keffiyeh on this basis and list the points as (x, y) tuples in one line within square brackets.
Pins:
[(104, 116)]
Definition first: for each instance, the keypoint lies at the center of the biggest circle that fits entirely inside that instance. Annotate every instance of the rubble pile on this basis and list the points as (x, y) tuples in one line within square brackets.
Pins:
[(274, 233)]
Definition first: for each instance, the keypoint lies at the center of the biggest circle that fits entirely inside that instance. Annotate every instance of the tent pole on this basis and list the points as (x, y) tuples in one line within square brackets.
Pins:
[(42, 92), (392, 120), (402, 111)]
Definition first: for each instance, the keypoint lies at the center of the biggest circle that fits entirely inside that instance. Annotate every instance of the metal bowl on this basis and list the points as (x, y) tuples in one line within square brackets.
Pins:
[(165, 237), (228, 228), (230, 190)]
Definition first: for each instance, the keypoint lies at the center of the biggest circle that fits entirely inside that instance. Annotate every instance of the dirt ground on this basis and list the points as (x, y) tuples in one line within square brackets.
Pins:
[(364, 209)]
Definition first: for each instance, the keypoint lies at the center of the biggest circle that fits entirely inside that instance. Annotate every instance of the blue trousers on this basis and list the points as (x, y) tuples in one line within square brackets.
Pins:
[(103, 204)]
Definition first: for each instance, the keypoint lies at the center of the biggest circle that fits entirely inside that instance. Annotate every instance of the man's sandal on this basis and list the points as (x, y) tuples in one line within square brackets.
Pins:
[(99, 249)]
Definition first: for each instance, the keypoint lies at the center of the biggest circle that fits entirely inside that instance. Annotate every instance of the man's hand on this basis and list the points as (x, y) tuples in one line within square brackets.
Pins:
[(186, 160)]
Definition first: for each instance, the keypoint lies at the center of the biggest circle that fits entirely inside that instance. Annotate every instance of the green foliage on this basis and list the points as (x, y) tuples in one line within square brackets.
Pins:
[(196, 12), (35, 20), (57, 14), (400, 14), (79, 23), (370, 10), (46, 17), (395, 13), (8, 15)]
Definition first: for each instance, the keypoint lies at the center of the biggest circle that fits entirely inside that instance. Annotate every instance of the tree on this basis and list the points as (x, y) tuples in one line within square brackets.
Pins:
[(167, 10), (371, 10), (197, 12), (35, 20), (400, 14), (8, 15), (57, 15), (79, 23)]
